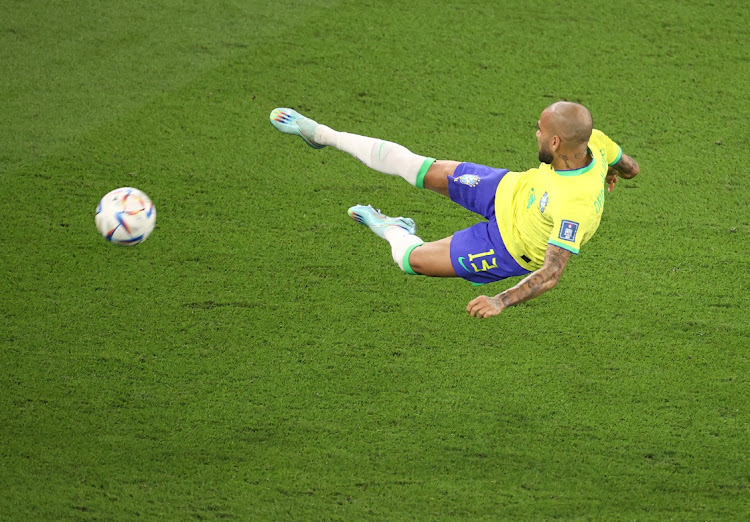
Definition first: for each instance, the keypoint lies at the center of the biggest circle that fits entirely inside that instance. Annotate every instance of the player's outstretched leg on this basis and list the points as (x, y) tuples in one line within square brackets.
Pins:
[(400, 232), (383, 156)]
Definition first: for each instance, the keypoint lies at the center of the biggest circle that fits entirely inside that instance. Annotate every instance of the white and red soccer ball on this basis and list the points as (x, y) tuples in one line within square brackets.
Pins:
[(125, 216)]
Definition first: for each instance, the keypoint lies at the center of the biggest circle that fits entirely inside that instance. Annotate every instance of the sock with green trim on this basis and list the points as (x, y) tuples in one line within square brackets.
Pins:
[(384, 156), (402, 243)]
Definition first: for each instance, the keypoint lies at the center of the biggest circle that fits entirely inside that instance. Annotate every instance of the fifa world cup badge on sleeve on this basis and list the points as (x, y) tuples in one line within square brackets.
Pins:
[(568, 231)]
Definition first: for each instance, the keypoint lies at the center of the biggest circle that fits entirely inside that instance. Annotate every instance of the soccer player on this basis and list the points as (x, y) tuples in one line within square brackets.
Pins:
[(536, 220)]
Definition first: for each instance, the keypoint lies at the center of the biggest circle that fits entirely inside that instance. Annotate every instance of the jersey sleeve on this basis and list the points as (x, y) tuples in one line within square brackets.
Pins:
[(567, 234), (572, 227), (611, 150)]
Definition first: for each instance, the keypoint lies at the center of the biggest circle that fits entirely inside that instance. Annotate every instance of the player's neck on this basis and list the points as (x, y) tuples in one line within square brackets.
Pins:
[(572, 160)]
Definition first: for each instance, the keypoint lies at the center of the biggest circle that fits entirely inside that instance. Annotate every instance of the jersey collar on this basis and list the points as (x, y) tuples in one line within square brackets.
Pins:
[(578, 172)]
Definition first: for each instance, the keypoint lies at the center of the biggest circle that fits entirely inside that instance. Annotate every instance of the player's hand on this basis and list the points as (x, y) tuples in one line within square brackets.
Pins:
[(611, 179), (484, 306)]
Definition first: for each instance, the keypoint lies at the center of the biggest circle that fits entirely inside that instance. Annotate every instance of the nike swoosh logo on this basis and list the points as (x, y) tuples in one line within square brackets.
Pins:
[(461, 260)]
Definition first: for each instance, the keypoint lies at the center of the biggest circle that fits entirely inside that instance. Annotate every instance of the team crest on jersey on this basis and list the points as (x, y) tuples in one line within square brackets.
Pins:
[(568, 230), (543, 202), (468, 179)]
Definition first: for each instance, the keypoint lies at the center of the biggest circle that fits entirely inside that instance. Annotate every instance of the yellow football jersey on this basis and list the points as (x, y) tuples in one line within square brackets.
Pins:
[(564, 207)]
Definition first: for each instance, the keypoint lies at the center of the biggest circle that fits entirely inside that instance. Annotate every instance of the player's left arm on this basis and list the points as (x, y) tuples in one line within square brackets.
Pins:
[(534, 285), (626, 168)]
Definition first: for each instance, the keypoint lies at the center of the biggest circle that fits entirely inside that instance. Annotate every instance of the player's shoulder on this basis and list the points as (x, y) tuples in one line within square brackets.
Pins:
[(543, 168), (598, 136), (609, 149)]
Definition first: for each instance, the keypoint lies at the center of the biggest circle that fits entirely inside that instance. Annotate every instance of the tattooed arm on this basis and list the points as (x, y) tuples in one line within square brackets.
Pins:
[(535, 284), (626, 168)]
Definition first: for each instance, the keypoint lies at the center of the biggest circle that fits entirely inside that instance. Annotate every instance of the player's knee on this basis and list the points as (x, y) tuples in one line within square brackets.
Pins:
[(432, 259), (413, 264), (436, 178)]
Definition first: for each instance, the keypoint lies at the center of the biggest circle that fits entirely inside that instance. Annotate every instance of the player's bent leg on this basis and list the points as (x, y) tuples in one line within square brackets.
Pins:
[(409, 252), (436, 177), (433, 259)]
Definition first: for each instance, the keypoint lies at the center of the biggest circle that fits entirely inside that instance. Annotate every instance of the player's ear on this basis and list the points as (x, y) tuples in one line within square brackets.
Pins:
[(555, 142)]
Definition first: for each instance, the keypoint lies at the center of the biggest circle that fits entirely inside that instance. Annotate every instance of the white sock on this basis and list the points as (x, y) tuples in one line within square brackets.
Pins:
[(402, 243), (383, 156)]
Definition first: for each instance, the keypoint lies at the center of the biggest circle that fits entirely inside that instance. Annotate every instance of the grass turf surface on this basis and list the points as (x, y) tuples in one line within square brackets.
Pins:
[(260, 357)]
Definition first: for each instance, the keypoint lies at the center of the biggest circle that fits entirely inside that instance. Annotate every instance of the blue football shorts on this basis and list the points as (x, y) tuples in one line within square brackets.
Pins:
[(478, 253)]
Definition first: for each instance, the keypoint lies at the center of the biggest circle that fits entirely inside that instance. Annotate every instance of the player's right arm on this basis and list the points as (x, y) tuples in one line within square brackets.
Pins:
[(534, 285)]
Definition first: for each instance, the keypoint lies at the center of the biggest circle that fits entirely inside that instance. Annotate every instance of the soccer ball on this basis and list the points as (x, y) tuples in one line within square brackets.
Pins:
[(125, 216)]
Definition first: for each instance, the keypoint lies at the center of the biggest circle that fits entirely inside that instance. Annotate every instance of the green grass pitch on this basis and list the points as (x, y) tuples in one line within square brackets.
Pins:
[(260, 357)]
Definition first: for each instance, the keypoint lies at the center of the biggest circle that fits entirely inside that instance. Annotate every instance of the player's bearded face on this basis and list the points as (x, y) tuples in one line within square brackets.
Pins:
[(545, 153)]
